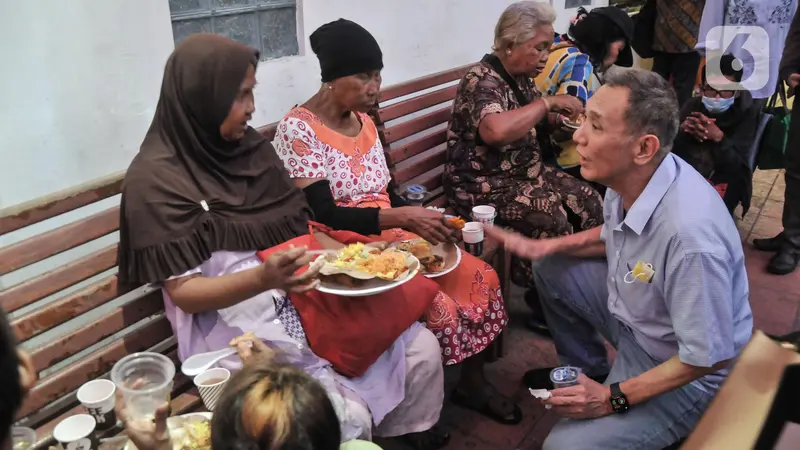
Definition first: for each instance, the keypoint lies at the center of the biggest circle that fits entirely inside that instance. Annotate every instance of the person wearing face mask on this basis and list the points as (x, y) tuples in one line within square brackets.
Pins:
[(717, 132)]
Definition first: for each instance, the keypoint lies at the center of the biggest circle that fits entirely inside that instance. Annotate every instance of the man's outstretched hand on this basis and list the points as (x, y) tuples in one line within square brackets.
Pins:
[(522, 246)]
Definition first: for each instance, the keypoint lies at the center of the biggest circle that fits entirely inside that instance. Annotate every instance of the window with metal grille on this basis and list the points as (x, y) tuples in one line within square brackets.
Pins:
[(576, 3), (268, 25)]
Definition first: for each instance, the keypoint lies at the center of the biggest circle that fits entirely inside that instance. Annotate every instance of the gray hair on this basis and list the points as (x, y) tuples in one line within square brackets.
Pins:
[(652, 104), (520, 22)]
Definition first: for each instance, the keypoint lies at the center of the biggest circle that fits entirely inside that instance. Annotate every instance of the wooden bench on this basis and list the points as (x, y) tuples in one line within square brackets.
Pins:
[(81, 333), (77, 322)]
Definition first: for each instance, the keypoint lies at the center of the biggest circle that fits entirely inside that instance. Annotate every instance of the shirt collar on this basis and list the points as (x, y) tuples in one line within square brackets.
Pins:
[(648, 200)]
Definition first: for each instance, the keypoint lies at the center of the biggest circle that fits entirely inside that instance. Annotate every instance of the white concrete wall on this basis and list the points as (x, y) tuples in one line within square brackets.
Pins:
[(80, 78)]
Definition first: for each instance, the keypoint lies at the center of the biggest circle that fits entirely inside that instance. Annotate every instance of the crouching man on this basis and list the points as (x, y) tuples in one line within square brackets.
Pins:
[(663, 280)]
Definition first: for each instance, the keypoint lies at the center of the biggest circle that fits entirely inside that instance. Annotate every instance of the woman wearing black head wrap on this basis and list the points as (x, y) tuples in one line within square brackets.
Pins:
[(330, 147)]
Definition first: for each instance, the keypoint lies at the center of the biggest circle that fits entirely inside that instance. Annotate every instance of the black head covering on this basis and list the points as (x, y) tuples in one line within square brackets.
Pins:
[(621, 19), (345, 48)]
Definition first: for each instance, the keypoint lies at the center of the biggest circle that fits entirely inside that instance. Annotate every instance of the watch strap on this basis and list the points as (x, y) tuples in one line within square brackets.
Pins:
[(619, 402)]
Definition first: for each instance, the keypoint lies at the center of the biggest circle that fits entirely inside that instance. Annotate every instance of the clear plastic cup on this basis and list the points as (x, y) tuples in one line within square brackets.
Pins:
[(22, 438), (565, 376), (415, 194), (145, 381)]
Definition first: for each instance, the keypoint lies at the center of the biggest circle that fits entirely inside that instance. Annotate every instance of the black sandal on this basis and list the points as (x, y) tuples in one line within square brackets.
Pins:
[(480, 403), (433, 439)]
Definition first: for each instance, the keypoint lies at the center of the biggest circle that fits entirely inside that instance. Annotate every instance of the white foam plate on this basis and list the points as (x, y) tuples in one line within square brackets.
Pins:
[(452, 260), (370, 287)]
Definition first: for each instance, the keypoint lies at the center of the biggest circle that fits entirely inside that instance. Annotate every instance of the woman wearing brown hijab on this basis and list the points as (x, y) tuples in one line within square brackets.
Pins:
[(203, 195)]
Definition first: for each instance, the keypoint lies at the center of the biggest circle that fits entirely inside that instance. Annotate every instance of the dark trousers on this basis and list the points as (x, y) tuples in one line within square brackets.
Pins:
[(681, 68), (791, 201)]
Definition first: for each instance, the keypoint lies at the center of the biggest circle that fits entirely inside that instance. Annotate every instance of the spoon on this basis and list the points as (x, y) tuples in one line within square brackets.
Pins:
[(199, 363)]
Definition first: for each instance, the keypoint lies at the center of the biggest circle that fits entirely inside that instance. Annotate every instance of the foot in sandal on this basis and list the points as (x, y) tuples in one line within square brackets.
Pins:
[(433, 439)]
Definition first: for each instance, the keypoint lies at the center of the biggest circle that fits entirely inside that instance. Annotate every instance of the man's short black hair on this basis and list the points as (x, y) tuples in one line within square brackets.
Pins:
[(727, 67), (10, 384)]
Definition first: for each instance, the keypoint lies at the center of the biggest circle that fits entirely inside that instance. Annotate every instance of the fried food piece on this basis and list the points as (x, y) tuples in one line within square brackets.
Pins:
[(456, 222), (420, 248), (432, 264)]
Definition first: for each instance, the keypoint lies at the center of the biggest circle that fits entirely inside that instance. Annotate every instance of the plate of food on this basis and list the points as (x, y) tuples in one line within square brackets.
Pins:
[(187, 432), (576, 124), (434, 260), (359, 270)]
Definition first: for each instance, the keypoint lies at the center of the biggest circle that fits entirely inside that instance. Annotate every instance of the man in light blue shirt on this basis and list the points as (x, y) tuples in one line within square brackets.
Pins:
[(663, 280)]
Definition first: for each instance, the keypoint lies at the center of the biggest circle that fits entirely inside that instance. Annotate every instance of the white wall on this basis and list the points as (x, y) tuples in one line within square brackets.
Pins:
[(80, 78), (78, 86)]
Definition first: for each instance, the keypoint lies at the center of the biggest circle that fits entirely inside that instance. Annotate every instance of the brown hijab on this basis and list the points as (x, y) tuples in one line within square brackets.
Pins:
[(189, 193)]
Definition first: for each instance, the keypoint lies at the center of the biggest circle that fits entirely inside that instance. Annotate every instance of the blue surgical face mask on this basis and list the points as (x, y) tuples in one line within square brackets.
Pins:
[(717, 105)]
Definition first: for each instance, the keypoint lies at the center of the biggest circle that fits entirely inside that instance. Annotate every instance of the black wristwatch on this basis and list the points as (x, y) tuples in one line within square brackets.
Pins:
[(619, 402)]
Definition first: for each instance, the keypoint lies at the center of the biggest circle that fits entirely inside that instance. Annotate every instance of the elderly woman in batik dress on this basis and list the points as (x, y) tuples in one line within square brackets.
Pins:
[(500, 123)]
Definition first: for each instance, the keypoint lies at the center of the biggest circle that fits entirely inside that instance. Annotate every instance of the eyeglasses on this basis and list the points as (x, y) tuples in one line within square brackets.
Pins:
[(708, 91)]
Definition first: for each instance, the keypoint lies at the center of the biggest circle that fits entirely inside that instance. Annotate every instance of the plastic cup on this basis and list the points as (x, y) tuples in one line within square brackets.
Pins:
[(22, 438), (472, 235), (145, 381), (415, 194), (565, 376), (211, 383), (484, 214), (77, 433), (99, 399)]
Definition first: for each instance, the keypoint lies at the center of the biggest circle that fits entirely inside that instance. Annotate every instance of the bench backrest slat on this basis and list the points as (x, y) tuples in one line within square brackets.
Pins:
[(49, 283), (66, 237), (27, 214), (65, 308), (410, 106), (93, 366), (403, 152), (395, 133), (413, 130), (430, 160), (84, 337), (422, 83)]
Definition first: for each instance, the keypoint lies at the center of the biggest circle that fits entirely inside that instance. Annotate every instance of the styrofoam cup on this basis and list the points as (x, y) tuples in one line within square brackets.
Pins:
[(472, 233), (484, 214), (97, 396), (77, 433)]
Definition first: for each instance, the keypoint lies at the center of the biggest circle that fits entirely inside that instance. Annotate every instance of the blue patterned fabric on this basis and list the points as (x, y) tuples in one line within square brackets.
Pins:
[(568, 71)]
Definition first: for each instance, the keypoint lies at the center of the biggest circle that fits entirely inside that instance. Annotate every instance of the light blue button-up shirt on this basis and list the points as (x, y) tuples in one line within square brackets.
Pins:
[(696, 304)]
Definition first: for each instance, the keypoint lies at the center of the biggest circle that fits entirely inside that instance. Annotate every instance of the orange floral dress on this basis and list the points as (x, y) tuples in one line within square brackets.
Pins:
[(468, 312)]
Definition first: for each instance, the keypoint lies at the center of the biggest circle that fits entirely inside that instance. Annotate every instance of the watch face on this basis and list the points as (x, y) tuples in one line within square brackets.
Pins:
[(619, 404)]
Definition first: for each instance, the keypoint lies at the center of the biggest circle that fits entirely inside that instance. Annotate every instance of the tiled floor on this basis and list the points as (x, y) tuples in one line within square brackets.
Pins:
[(775, 302)]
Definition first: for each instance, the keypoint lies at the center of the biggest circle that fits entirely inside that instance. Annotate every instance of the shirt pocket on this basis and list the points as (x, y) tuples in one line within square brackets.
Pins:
[(639, 298)]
